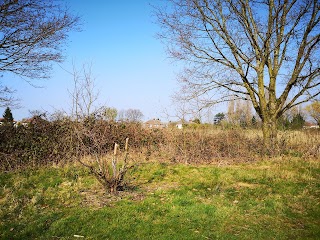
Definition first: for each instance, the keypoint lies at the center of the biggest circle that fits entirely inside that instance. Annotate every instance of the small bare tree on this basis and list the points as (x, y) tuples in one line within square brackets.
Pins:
[(239, 112), (133, 115), (84, 94), (130, 115), (7, 98), (91, 132)]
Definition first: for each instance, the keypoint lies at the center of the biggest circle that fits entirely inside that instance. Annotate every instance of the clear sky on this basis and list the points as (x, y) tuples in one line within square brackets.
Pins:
[(129, 62)]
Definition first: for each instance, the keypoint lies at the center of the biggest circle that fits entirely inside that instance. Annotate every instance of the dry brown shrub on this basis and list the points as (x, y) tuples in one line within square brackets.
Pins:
[(45, 143), (202, 146), (237, 145), (40, 143), (300, 143)]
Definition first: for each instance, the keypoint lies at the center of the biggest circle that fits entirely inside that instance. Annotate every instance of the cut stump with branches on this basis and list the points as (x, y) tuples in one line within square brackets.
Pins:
[(93, 154)]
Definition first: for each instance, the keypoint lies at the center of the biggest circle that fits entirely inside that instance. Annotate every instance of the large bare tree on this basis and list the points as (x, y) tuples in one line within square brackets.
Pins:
[(32, 34), (264, 51)]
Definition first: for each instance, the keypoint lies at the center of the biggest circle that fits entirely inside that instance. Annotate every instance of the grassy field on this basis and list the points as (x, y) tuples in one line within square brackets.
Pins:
[(273, 199)]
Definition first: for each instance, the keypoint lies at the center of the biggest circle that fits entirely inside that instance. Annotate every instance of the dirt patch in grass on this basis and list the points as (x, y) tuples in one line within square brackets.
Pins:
[(246, 185), (98, 198)]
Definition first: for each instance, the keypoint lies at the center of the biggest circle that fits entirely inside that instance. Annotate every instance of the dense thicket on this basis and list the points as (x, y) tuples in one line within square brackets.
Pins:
[(43, 143)]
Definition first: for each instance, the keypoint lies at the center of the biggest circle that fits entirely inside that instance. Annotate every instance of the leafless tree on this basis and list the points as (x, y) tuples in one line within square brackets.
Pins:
[(263, 51), (58, 115), (32, 34), (231, 111), (313, 110), (184, 109), (38, 114), (130, 115), (7, 98), (121, 115), (84, 94), (134, 115), (239, 112)]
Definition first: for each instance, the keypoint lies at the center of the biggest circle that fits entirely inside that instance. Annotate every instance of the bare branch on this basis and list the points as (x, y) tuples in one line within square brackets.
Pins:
[(236, 51), (32, 34)]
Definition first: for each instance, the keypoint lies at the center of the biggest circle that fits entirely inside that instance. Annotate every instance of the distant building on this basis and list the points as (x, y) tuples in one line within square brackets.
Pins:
[(179, 125), (182, 123), (309, 125), (2, 121), (33, 120), (155, 124)]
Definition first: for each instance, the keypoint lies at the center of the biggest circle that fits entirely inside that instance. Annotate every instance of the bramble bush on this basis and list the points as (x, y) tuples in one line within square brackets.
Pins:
[(39, 143), (44, 142), (206, 146)]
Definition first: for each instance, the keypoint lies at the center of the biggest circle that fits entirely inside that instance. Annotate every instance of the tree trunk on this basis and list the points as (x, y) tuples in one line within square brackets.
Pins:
[(269, 129)]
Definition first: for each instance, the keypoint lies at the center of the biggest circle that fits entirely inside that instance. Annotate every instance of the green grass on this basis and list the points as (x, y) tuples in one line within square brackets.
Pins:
[(278, 199)]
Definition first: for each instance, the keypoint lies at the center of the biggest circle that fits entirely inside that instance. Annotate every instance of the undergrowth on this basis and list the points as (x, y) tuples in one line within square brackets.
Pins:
[(274, 199), (61, 142)]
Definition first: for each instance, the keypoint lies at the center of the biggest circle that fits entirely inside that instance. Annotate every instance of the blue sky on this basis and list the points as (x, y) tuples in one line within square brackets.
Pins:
[(128, 61)]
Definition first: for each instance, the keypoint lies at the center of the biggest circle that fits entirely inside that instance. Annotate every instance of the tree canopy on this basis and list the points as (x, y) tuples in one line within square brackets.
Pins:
[(264, 51), (32, 34)]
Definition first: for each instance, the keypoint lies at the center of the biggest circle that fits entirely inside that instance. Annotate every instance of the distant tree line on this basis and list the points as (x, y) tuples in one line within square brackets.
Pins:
[(239, 114)]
